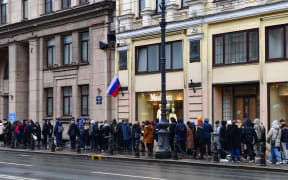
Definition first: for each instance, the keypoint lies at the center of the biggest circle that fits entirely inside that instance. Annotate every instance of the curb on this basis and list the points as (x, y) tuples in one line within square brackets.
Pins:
[(165, 161)]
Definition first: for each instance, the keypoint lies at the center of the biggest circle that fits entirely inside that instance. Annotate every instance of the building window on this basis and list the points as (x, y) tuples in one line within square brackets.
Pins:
[(123, 60), (50, 52), (49, 6), (148, 57), (25, 9), (158, 3), (49, 101), (277, 39), (4, 12), (6, 72), (84, 47), (195, 51), (184, 4), (83, 1), (67, 48), (236, 47), (85, 100), (141, 6), (66, 4), (67, 101)]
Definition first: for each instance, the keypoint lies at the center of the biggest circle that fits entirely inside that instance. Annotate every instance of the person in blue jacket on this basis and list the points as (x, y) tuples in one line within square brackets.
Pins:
[(208, 129), (180, 136)]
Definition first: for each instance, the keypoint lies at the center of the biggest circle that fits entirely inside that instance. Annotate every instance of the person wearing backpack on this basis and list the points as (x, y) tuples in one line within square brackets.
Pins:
[(274, 139), (72, 133), (58, 131), (180, 136), (207, 135), (284, 142), (20, 133), (249, 135)]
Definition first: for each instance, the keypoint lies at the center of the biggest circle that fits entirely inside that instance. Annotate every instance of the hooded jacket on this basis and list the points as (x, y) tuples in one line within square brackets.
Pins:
[(148, 134), (248, 132), (274, 134), (207, 129), (179, 135), (126, 131), (259, 129)]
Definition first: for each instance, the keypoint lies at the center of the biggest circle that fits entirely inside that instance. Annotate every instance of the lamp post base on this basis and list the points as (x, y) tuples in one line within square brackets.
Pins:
[(163, 150), (163, 155)]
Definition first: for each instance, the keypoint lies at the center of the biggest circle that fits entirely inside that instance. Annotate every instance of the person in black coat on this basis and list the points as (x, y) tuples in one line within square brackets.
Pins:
[(248, 135), (223, 140), (73, 133), (235, 141), (199, 139), (172, 128), (136, 135), (37, 132)]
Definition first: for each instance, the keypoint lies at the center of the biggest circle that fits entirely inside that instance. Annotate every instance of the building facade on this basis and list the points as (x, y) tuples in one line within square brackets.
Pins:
[(56, 59), (226, 59)]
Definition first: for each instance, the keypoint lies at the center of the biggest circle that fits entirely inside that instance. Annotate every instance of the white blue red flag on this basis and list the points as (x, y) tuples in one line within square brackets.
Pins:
[(114, 87)]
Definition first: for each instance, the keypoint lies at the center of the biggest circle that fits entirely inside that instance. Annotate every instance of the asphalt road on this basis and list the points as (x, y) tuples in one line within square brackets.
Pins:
[(21, 166)]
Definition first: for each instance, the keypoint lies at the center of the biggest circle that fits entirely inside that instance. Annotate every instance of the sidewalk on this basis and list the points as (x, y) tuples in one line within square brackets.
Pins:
[(183, 161)]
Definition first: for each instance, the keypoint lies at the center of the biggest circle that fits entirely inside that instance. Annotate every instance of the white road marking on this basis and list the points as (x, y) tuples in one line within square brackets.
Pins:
[(14, 177), (16, 164), (125, 175), (24, 155)]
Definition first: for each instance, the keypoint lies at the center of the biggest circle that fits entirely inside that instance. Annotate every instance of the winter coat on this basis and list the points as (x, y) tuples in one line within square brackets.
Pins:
[(148, 134), (190, 138), (81, 127), (126, 131), (223, 133), (172, 128), (274, 134), (216, 134), (284, 135), (207, 130), (248, 133), (57, 132), (235, 137), (37, 131), (136, 132), (199, 136), (260, 130), (179, 135), (73, 130), (1, 128)]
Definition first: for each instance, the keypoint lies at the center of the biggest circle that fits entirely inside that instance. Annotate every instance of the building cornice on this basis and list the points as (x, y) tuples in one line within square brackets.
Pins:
[(209, 19)]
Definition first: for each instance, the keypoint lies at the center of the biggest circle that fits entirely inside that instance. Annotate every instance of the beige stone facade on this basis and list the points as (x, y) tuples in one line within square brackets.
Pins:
[(24, 50)]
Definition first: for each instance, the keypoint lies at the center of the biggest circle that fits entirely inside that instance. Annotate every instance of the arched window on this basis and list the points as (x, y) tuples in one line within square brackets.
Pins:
[(6, 72)]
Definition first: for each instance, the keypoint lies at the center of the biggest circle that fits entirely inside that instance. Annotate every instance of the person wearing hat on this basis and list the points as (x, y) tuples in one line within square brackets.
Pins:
[(216, 140), (199, 138), (207, 135)]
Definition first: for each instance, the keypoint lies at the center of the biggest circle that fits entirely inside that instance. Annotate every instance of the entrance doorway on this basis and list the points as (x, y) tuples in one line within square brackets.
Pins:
[(245, 107)]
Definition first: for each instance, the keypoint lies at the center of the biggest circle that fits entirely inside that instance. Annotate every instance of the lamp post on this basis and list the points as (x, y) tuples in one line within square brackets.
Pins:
[(163, 149)]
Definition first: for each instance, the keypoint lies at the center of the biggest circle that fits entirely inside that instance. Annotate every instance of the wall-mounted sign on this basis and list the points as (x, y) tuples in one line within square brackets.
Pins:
[(12, 117), (99, 100)]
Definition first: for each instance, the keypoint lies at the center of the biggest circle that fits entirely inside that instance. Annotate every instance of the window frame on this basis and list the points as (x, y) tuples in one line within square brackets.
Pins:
[(159, 58), (63, 51), (47, 102), (84, 1), (68, 4), (82, 96), (285, 53), (47, 52), (4, 20), (51, 6), (194, 60), (248, 31), (69, 101), (182, 5), (122, 67), (139, 6), (25, 2), (81, 49)]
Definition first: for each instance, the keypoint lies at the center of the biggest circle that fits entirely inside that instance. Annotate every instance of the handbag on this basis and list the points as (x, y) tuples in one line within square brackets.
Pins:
[(273, 142)]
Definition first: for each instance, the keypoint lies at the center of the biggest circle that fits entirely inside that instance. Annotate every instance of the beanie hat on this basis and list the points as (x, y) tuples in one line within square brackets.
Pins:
[(217, 122), (200, 121), (206, 120), (199, 118)]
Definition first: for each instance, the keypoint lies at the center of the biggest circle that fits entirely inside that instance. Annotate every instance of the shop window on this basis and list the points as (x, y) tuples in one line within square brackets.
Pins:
[(148, 57), (4, 11), (49, 102), (66, 4), (123, 60), (67, 48), (278, 97), (277, 37), (50, 52), (195, 51), (67, 101), (49, 6), (84, 100), (236, 47), (84, 47), (149, 105)]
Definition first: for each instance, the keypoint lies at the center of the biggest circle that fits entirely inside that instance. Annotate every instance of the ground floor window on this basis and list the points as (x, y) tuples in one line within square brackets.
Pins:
[(240, 101), (149, 104), (278, 93)]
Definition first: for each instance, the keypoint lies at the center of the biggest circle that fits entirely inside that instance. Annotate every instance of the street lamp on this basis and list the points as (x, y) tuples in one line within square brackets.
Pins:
[(163, 149)]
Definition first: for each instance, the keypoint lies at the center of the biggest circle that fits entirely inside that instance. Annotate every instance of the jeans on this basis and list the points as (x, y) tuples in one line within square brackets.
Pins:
[(284, 151), (274, 154), (81, 138), (234, 152)]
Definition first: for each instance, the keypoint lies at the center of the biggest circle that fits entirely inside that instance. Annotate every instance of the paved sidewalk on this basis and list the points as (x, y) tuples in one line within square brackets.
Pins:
[(183, 161)]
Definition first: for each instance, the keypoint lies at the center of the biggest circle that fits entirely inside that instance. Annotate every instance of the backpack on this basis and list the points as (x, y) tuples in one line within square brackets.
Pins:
[(182, 131), (91, 130), (60, 129)]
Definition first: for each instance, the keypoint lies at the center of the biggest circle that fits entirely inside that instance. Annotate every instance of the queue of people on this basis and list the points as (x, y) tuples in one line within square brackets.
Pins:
[(236, 140)]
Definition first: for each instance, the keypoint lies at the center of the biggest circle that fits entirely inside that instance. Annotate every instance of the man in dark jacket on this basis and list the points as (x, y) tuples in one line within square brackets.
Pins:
[(45, 131), (126, 134), (172, 128), (207, 135), (235, 141), (28, 133), (180, 136), (113, 131), (7, 132), (223, 141), (37, 132), (249, 135), (73, 133), (136, 135)]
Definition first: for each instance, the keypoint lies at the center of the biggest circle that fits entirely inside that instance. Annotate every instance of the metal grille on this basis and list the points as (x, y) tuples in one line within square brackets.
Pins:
[(227, 103)]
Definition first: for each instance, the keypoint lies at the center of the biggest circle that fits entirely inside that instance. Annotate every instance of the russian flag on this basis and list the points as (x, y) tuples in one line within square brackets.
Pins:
[(114, 87)]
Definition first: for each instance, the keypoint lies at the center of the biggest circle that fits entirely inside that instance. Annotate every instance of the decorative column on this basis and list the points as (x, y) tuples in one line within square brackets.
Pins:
[(196, 7), (147, 13), (171, 10), (126, 16)]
